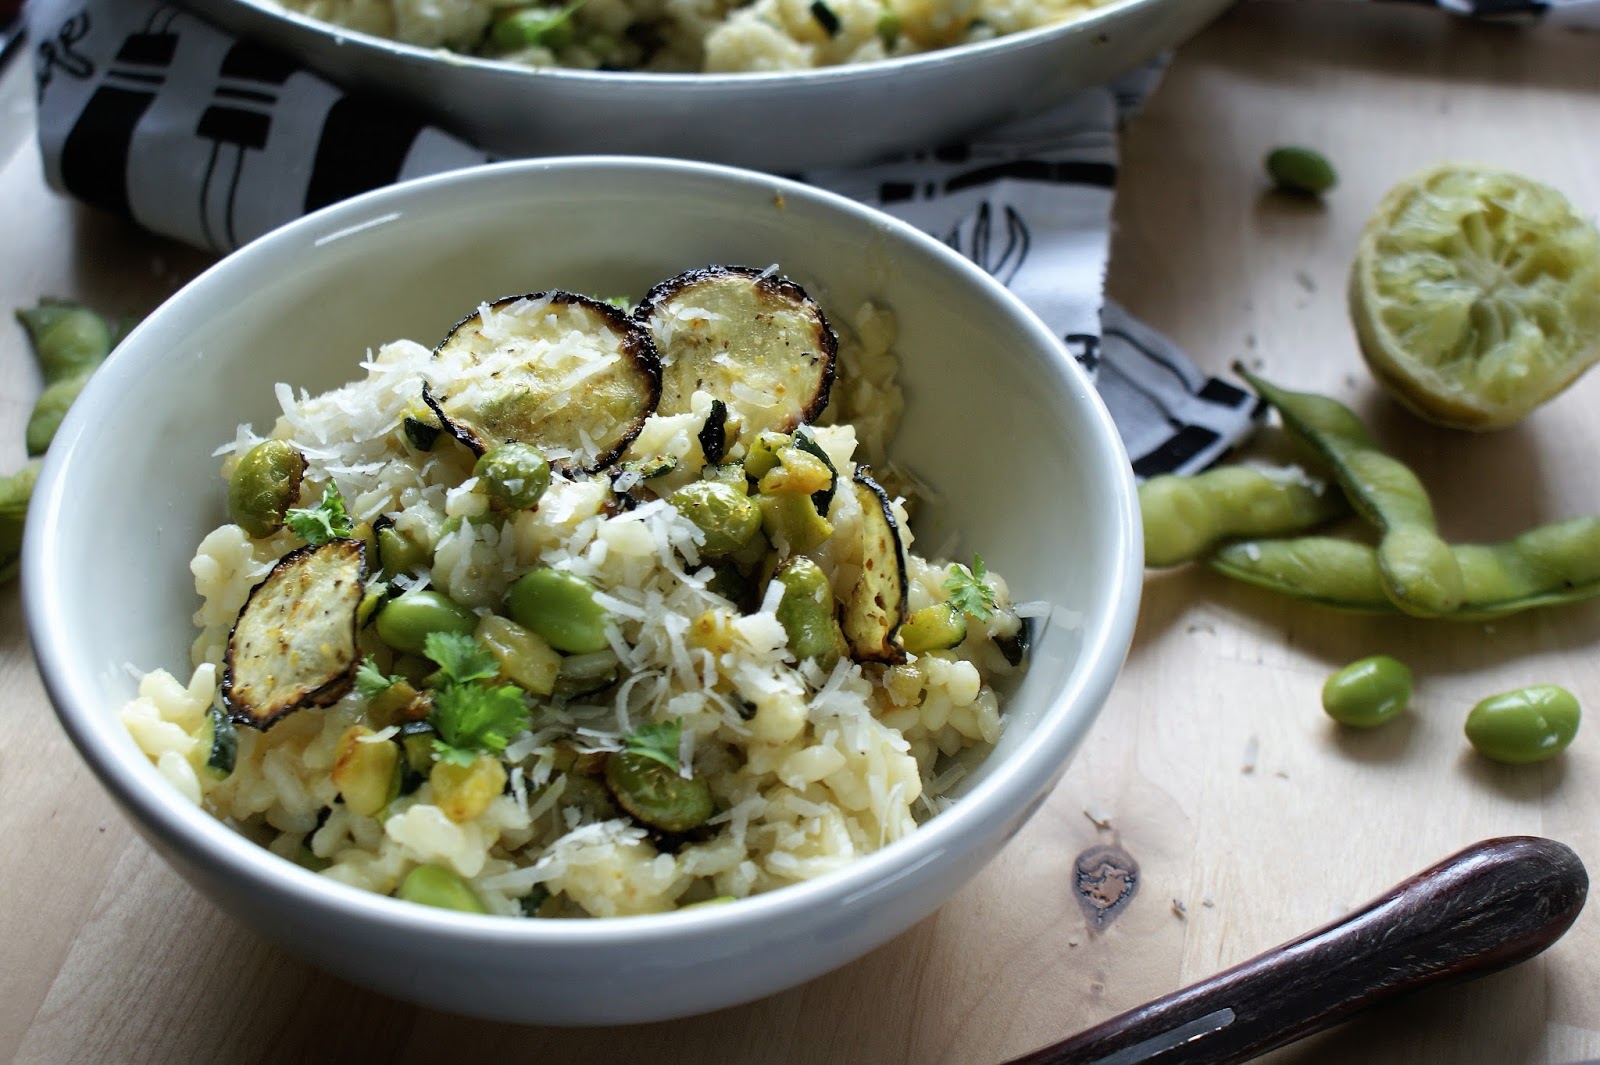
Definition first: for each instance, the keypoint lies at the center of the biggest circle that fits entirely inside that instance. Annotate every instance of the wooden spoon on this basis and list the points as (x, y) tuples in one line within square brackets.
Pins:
[(1499, 902)]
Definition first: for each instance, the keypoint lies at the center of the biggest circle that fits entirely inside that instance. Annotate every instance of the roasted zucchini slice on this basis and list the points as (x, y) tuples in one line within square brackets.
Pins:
[(294, 643), (876, 604), (567, 374), (748, 337)]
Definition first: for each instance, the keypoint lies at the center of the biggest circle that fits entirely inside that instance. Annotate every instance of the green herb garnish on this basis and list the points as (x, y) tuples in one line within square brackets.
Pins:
[(371, 681), (323, 522), (967, 591), (657, 740), (470, 715)]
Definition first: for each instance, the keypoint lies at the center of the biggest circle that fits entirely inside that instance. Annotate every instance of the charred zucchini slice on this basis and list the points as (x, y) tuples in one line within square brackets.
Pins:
[(294, 643), (567, 374), (876, 604), (750, 338)]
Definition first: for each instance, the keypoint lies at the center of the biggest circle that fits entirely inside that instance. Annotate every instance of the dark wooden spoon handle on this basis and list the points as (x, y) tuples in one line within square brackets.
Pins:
[(1496, 903)]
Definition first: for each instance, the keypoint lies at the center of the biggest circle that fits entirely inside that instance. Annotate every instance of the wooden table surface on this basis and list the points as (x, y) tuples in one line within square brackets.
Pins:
[(1251, 817)]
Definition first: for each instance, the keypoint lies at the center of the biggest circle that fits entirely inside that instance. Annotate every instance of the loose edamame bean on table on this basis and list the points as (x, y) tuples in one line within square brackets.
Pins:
[(1300, 170), (1185, 517), (1367, 692), (1532, 724), (1417, 569)]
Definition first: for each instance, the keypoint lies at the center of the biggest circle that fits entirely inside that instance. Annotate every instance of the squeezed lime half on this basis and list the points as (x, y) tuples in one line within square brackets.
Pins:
[(1475, 295)]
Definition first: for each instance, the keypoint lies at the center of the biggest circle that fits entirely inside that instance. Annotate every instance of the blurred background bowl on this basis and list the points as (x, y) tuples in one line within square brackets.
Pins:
[(788, 121), (999, 419)]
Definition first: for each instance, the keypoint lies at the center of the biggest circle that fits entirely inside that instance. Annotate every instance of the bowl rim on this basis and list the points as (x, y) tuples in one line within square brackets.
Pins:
[(157, 808), (1092, 21)]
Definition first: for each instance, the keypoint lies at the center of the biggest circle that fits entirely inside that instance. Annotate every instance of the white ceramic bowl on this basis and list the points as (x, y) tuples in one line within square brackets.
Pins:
[(783, 121), (998, 417)]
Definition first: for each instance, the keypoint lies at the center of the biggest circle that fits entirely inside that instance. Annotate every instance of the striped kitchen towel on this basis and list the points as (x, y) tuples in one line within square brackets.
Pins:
[(149, 112)]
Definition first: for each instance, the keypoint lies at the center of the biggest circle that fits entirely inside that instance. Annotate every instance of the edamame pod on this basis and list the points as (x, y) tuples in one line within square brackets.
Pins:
[(1549, 565), (15, 493), (1186, 517), (1321, 569), (1417, 568)]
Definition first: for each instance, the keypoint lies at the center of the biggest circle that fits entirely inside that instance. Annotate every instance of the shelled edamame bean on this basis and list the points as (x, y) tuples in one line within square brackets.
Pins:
[(1368, 692)]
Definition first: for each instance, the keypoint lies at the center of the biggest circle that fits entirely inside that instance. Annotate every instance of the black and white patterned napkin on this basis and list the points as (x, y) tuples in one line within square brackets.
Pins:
[(150, 113)]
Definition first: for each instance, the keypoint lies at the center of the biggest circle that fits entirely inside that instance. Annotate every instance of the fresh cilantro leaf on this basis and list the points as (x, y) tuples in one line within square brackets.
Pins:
[(461, 658), (371, 681), (476, 718), (657, 740), (471, 716), (967, 591), (323, 522)]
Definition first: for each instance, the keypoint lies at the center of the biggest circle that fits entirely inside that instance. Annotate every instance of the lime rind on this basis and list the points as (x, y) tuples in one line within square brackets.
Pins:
[(1475, 295)]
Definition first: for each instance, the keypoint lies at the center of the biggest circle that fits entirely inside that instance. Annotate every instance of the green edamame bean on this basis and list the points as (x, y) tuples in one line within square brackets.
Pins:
[(1300, 170), (933, 628), (1185, 517), (68, 338), (561, 607), (657, 794), (729, 518), (1367, 692), (1530, 724), (514, 475), (434, 885), (806, 612), (405, 622), (15, 493), (399, 553), (264, 485), (1418, 570), (1549, 565)]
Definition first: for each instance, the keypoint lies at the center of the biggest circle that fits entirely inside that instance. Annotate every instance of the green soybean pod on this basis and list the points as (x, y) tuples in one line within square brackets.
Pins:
[(434, 885), (1185, 517), (1336, 573), (561, 607), (1418, 570), (1532, 724), (68, 338), (16, 491), (1367, 692)]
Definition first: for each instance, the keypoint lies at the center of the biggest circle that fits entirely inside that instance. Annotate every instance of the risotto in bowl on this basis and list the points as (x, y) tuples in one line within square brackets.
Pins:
[(564, 605), (780, 85)]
